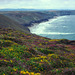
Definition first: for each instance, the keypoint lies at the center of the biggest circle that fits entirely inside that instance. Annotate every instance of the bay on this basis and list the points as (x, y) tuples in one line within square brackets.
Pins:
[(62, 27)]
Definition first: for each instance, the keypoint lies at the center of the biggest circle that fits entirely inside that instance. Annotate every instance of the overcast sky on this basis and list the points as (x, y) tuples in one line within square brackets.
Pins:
[(38, 4)]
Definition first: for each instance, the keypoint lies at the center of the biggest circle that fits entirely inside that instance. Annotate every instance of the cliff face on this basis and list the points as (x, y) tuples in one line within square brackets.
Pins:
[(27, 18)]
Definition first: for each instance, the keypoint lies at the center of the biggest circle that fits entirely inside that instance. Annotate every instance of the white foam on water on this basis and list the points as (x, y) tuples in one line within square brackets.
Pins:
[(54, 33), (42, 27)]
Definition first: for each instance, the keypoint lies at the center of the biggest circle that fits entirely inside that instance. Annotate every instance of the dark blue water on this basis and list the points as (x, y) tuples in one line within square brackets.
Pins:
[(62, 27)]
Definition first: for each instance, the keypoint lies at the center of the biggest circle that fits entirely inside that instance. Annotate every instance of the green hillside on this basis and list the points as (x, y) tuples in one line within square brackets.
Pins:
[(6, 22), (26, 18), (28, 54)]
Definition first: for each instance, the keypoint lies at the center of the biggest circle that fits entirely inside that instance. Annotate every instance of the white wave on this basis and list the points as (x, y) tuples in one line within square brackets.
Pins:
[(59, 18), (54, 33), (64, 26)]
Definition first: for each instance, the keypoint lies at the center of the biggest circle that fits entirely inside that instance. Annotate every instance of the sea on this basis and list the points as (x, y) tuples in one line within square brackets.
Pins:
[(62, 27)]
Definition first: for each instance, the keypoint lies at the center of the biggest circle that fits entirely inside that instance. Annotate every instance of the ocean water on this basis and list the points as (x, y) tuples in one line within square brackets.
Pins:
[(62, 27)]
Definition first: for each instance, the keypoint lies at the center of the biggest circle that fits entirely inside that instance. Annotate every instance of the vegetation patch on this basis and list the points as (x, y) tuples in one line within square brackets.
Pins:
[(29, 54)]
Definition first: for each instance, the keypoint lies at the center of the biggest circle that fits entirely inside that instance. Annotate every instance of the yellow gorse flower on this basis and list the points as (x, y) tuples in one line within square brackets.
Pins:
[(37, 74), (27, 72), (6, 60), (22, 72), (11, 49), (32, 73), (3, 74), (41, 60), (11, 61), (15, 69), (50, 55)]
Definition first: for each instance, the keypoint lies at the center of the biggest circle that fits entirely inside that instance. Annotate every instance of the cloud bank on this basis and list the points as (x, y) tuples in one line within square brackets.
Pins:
[(38, 4)]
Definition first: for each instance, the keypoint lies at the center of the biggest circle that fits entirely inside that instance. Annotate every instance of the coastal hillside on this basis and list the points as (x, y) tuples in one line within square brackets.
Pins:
[(29, 54), (6, 22), (27, 18)]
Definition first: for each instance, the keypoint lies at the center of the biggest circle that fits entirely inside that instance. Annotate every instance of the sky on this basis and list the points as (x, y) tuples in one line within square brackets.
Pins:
[(38, 4)]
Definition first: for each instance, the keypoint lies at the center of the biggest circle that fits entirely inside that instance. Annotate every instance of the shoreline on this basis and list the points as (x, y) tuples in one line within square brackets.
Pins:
[(50, 19), (36, 24), (33, 24), (38, 29), (43, 20)]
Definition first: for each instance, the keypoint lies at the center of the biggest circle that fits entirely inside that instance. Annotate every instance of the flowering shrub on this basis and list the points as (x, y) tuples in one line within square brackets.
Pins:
[(29, 54)]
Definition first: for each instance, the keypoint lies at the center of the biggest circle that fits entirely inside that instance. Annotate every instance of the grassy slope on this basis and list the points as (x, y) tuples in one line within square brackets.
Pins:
[(6, 22), (29, 54), (26, 15)]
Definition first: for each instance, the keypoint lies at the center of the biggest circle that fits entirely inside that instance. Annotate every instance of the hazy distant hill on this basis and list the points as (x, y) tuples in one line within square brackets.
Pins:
[(16, 9), (5, 22), (22, 9)]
